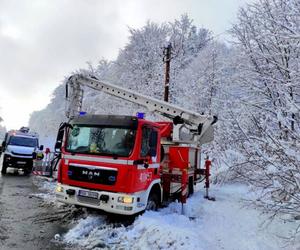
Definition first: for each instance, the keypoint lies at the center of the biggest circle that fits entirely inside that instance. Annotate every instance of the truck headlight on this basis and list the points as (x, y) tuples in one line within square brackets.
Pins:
[(59, 189), (125, 199)]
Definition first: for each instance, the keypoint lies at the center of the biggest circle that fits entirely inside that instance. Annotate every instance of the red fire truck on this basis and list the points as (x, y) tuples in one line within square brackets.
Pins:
[(127, 164)]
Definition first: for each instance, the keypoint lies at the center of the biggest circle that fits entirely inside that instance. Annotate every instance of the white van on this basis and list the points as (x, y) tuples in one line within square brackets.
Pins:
[(17, 149)]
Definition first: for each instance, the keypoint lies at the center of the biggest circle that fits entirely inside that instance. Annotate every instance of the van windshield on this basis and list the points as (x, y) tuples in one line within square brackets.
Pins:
[(101, 140), (23, 141)]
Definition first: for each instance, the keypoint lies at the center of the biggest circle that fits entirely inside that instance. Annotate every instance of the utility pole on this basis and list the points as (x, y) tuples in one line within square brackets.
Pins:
[(167, 60)]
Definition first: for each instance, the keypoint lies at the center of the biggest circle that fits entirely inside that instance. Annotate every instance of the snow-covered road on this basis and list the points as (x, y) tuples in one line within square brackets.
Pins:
[(227, 223)]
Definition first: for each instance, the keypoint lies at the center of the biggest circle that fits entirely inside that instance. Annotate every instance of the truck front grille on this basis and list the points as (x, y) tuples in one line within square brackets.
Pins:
[(92, 175), (18, 161)]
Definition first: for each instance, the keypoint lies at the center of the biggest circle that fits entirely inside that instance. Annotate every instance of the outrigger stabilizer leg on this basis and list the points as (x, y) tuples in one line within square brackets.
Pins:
[(207, 174)]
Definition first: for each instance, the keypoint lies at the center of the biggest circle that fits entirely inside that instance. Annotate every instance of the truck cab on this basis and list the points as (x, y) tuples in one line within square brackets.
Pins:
[(17, 149), (110, 163), (126, 164)]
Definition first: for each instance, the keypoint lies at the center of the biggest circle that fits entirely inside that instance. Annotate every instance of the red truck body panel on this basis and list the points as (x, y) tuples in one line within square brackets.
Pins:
[(131, 176), (110, 178), (183, 157)]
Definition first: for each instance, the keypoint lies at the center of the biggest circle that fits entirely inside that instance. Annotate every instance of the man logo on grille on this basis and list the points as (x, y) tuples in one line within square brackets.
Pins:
[(90, 174)]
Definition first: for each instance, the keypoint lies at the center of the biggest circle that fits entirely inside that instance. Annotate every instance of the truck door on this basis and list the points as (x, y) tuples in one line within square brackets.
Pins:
[(149, 153)]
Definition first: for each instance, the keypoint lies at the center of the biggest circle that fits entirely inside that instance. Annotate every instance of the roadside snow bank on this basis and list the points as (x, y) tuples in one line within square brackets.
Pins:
[(162, 231), (224, 224), (83, 229), (47, 188)]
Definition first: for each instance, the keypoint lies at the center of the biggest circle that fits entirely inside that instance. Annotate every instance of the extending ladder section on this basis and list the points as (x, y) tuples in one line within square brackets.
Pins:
[(197, 124)]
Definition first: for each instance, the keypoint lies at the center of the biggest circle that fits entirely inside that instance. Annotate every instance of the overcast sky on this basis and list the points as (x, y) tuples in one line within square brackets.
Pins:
[(41, 41)]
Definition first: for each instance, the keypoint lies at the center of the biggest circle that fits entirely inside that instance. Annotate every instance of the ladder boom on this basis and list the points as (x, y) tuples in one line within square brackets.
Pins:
[(179, 115)]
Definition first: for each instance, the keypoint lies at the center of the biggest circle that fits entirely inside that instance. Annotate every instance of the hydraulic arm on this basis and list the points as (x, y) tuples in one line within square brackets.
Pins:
[(189, 127)]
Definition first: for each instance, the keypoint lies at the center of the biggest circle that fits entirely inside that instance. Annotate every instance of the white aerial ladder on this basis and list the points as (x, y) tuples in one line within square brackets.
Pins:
[(189, 127)]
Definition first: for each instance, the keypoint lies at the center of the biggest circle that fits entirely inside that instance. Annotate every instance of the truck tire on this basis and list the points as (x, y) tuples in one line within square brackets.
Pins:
[(4, 168), (153, 202)]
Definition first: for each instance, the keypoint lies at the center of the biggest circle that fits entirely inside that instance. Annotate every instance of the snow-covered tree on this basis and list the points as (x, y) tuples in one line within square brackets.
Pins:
[(187, 41), (267, 33), (46, 121), (139, 66), (2, 130), (207, 86)]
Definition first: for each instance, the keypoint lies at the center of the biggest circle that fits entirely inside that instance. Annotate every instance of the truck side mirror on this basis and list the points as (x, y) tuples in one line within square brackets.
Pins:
[(60, 135), (41, 147), (57, 146)]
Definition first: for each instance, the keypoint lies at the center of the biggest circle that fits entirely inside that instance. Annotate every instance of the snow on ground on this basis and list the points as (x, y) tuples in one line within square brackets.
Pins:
[(226, 223), (47, 186)]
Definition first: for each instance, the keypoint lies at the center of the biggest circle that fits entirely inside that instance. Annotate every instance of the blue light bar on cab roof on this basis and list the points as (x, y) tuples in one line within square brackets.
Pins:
[(140, 115), (82, 113)]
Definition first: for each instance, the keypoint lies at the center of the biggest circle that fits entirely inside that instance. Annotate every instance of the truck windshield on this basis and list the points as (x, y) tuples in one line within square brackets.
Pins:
[(23, 141), (101, 140)]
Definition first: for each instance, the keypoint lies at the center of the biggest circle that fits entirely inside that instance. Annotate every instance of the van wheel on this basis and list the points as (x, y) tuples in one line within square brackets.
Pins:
[(4, 168), (153, 202), (27, 172)]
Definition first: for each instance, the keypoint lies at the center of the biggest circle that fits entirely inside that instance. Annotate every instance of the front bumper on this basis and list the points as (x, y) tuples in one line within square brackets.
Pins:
[(18, 162), (69, 194)]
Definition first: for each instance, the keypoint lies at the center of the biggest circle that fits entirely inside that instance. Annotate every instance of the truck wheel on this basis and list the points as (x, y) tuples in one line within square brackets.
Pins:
[(4, 168), (153, 202)]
